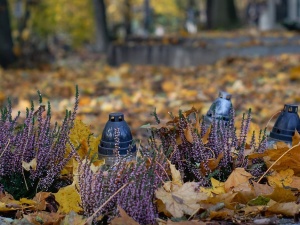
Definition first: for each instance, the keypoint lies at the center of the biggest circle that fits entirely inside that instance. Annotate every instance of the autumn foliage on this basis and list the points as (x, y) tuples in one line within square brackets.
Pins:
[(186, 171)]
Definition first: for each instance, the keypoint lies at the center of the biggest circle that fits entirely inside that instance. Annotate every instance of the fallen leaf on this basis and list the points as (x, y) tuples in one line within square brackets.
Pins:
[(190, 222), (74, 219), (29, 166), (295, 138), (217, 188), (236, 178), (282, 195), (282, 178), (262, 189), (286, 209), (176, 176), (212, 163), (124, 219), (182, 201), (68, 199), (44, 218)]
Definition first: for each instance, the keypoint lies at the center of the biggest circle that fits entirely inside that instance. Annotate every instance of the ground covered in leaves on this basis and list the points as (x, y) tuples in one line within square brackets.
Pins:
[(262, 84)]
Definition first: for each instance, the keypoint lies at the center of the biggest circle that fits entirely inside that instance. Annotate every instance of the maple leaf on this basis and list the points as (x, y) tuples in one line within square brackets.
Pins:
[(281, 179), (40, 199), (182, 201), (217, 188), (286, 209), (262, 189), (68, 199), (238, 177), (282, 195), (124, 219)]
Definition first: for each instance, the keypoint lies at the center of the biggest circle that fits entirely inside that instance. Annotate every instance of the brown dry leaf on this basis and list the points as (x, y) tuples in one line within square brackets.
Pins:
[(161, 207), (124, 219), (254, 210), (44, 218), (289, 161), (286, 209), (295, 138), (188, 134), (262, 189), (236, 178), (190, 222), (40, 199), (29, 166), (74, 219), (295, 182), (282, 195), (176, 176), (206, 135), (212, 163), (226, 198), (223, 214), (182, 201)]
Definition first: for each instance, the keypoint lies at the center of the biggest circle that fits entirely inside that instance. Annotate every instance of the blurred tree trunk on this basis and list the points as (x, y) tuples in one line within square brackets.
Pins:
[(221, 14), (147, 16), (6, 43), (127, 17), (102, 38)]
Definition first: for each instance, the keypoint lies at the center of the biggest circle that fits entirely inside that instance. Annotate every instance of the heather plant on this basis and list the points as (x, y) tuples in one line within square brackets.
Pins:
[(33, 152), (130, 185), (201, 151)]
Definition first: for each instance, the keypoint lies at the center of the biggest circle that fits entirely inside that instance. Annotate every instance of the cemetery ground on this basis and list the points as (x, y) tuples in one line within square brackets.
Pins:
[(263, 84)]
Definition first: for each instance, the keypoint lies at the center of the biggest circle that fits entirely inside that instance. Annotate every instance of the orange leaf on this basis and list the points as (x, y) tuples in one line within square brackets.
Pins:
[(124, 219), (236, 178)]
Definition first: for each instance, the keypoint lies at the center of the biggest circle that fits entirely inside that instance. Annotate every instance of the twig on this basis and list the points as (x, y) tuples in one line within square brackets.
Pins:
[(90, 219), (272, 117), (5, 148), (277, 161)]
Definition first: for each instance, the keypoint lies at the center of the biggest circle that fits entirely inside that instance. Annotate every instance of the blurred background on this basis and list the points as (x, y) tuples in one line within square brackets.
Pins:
[(137, 56)]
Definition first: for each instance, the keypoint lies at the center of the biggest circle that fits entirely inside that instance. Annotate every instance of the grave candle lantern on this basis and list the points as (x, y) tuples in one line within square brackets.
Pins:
[(116, 140)]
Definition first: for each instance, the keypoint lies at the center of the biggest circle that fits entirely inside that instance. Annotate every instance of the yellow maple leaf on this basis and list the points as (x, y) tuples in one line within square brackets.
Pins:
[(68, 199), (236, 178), (185, 200), (79, 134), (217, 188), (282, 178)]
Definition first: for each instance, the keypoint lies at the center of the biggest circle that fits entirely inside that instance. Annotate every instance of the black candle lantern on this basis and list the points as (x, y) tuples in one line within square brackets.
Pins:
[(116, 140), (285, 125), (220, 108)]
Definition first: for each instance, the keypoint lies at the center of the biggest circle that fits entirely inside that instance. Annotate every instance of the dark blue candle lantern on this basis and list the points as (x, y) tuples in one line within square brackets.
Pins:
[(116, 140), (220, 108), (285, 126)]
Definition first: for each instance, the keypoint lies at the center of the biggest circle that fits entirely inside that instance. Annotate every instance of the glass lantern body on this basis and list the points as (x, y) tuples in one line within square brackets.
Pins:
[(220, 108), (285, 126), (116, 140)]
